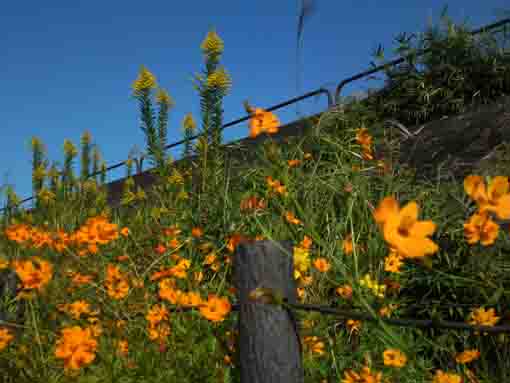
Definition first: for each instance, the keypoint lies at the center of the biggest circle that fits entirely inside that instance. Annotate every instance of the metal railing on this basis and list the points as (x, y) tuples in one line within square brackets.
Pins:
[(419, 52), (229, 124), (332, 101)]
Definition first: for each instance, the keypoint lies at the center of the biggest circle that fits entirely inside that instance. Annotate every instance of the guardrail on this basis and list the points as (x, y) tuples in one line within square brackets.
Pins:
[(419, 52)]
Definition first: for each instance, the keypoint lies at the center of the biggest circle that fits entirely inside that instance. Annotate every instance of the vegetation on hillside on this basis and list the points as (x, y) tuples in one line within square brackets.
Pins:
[(145, 294)]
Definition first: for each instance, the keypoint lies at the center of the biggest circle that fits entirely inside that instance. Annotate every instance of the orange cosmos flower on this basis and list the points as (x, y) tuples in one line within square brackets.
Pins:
[(263, 122), (322, 264), (216, 308), (33, 275)]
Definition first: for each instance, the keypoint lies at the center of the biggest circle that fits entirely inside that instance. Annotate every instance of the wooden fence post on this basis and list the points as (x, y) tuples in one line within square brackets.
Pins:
[(269, 345)]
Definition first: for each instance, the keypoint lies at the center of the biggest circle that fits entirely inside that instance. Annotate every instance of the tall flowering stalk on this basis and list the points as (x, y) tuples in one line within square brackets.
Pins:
[(85, 155), (189, 127), (70, 152), (12, 202), (102, 179), (53, 176), (96, 158), (155, 135), (39, 164), (213, 85), (164, 102)]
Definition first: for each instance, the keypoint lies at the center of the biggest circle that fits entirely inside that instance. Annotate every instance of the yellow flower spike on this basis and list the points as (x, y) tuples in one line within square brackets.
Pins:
[(212, 44), (145, 81), (162, 97), (69, 148), (39, 173), (219, 79), (188, 122)]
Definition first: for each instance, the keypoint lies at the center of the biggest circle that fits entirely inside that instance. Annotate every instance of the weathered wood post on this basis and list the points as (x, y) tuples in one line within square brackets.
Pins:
[(11, 311), (269, 345)]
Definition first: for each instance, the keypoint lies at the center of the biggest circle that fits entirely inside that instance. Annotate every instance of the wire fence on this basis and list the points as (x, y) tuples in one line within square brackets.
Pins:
[(332, 100)]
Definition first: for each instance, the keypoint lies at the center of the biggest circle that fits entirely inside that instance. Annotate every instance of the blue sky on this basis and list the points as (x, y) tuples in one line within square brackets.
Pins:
[(68, 66)]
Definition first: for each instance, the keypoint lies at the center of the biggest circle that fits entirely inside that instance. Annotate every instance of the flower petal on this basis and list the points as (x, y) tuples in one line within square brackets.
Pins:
[(416, 247), (474, 186), (422, 229), (498, 187), (409, 212), (503, 207), (387, 207)]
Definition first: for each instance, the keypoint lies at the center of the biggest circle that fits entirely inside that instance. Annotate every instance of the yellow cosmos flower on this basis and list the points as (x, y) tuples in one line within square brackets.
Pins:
[(481, 228), (5, 338), (291, 218), (394, 358), (483, 317), (33, 275), (363, 137), (365, 376), (496, 199), (77, 308), (443, 377), (301, 261), (347, 246), (345, 291), (393, 262), (215, 308), (467, 356), (76, 347), (322, 264), (314, 345), (403, 231), (156, 314)]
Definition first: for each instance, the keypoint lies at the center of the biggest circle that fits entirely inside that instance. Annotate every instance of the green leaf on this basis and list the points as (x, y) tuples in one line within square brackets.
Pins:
[(494, 299)]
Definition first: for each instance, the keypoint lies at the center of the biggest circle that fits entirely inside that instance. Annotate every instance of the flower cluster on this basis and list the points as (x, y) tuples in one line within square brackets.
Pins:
[(378, 290)]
